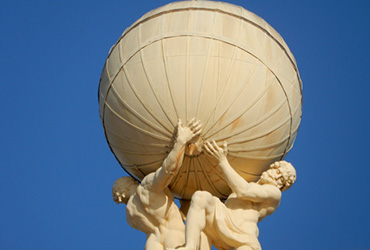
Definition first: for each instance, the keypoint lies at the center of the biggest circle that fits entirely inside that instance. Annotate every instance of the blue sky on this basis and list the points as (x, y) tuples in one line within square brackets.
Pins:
[(57, 170)]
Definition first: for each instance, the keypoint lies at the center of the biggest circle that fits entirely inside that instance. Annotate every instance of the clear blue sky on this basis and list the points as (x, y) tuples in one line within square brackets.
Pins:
[(57, 170)]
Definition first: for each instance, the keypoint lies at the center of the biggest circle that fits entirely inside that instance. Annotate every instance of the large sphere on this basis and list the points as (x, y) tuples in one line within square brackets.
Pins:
[(213, 61)]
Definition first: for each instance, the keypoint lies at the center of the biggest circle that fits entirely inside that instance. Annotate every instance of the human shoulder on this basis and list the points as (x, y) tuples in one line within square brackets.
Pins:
[(146, 183), (274, 192)]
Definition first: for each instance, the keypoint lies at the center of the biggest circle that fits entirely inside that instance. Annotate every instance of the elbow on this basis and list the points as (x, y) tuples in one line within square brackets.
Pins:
[(242, 193)]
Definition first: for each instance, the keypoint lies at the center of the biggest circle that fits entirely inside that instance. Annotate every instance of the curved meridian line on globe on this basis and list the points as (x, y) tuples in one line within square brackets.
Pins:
[(252, 149), (207, 37), (148, 109), (199, 186), (165, 64), (122, 69), (210, 43), (136, 127), (295, 130), (210, 182), (270, 70), (258, 122), (215, 10), (150, 81), (252, 138), (104, 98), (198, 35), (127, 139), (239, 91), (142, 168), (137, 115), (132, 174), (251, 105), (138, 166), (215, 169), (187, 173), (187, 69), (115, 156), (106, 135), (242, 87), (271, 157), (130, 152), (223, 88), (264, 118), (291, 145), (256, 136), (245, 172), (293, 134), (227, 81), (241, 113)]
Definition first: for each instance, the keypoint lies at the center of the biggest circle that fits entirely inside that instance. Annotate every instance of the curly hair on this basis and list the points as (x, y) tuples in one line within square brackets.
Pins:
[(123, 184), (288, 173)]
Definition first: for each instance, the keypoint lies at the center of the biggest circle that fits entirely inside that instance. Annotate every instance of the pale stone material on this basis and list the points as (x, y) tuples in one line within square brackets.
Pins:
[(233, 72), (233, 224), (213, 61), (150, 205)]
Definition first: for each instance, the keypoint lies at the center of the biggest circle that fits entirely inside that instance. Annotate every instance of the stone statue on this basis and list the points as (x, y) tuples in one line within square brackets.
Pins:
[(233, 224), (150, 205), (211, 60), (231, 70)]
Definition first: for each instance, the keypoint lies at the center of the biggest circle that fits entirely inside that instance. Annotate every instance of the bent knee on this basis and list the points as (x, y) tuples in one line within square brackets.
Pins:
[(201, 195), (202, 198)]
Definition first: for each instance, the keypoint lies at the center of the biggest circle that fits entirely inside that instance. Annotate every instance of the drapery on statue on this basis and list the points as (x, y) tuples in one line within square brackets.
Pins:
[(233, 225), (150, 205)]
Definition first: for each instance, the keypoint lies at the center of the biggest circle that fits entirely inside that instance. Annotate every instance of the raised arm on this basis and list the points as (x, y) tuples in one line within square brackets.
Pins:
[(242, 188), (171, 165)]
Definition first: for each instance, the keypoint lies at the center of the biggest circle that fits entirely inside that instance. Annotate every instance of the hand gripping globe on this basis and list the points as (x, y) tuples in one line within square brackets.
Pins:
[(212, 61)]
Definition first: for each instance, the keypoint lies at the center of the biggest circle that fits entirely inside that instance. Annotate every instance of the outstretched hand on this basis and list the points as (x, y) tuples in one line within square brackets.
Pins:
[(188, 132), (216, 151)]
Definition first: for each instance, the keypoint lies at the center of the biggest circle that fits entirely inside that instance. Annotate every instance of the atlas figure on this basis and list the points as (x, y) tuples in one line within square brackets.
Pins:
[(150, 205), (233, 224)]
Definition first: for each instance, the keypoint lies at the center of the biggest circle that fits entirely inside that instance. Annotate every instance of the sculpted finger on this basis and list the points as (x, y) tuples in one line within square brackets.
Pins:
[(179, 123), (196, 132), (194, 124), (225, 146), (198, 128), (217, 148), (208, 150), (209, 147), (191, 122)]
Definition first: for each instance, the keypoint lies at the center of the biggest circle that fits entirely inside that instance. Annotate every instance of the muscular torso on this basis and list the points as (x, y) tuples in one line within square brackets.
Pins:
[(156, 214), (248, 210), (241, 216)]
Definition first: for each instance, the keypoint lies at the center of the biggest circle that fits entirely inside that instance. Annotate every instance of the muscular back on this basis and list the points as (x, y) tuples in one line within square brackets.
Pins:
[(154, 211), (251, 210)]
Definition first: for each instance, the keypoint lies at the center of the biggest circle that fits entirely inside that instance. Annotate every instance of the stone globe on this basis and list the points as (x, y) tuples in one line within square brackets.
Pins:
[(213, 61)]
